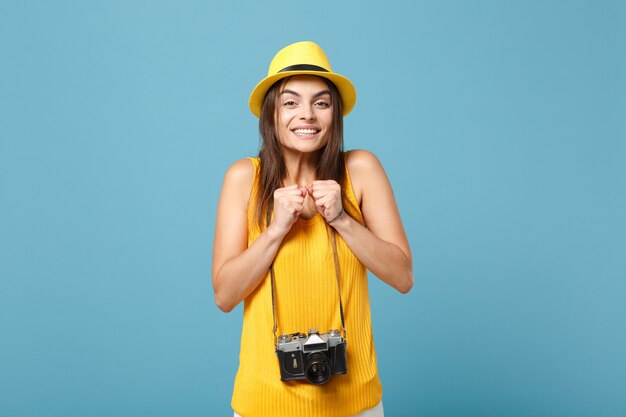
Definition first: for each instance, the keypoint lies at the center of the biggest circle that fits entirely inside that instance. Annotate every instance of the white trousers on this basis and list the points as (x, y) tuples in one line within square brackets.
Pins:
[(372, 412)]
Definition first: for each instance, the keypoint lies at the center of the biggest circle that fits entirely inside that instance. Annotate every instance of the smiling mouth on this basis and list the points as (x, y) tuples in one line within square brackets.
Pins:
[(306, 133)]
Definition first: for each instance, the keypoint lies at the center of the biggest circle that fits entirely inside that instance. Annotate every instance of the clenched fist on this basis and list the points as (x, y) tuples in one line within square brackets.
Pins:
[(327, 197), (288, 204)]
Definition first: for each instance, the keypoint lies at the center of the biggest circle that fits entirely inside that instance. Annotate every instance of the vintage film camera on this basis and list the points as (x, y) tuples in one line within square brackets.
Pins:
[(314, 357)]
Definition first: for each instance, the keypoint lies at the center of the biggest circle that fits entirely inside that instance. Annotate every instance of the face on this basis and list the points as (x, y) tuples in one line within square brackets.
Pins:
[(304, 114)]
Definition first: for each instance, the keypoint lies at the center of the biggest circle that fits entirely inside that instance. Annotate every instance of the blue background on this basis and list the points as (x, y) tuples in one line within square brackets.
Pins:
[(502, 126)]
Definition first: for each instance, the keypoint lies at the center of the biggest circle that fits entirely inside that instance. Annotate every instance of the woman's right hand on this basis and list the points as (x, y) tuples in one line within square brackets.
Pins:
[(288, 204)]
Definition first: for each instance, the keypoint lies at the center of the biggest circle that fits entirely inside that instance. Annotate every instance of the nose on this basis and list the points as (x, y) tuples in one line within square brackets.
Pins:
[(308, 113)]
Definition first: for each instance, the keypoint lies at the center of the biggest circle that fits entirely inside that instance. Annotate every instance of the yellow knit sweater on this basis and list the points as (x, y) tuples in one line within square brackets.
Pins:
[(307, 297)]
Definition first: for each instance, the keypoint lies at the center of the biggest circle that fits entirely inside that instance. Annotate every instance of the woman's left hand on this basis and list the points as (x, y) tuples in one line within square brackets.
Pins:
[(327, 197)]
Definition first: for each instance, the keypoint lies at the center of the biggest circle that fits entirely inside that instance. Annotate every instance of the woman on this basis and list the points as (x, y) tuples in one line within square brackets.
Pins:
[(317, 218)]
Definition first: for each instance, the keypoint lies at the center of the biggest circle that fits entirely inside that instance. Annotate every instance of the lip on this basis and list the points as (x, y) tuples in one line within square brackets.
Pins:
[(307, 135)]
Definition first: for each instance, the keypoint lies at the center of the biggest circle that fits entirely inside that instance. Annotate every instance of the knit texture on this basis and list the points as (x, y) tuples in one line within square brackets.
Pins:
[(307, 297)]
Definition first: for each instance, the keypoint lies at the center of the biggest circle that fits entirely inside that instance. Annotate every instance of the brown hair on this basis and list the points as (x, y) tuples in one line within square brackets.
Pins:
[(330, 163)]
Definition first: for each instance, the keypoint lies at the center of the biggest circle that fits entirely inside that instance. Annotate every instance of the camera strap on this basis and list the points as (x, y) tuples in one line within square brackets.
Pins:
[(337, 275)]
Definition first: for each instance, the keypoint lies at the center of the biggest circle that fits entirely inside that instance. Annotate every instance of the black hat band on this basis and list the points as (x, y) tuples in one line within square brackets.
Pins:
[(303, 67)]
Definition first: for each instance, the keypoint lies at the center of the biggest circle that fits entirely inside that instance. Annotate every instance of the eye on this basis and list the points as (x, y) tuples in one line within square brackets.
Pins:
[(322, 103), (289, 103)]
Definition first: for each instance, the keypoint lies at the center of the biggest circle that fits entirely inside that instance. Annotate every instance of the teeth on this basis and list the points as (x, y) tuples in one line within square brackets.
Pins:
[(305, 131)]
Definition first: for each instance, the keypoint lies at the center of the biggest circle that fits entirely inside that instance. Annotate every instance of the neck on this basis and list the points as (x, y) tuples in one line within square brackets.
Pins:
[(301, 168)]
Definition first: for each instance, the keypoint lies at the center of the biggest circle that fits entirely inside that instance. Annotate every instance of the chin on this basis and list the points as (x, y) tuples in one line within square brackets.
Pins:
[(304, 147)]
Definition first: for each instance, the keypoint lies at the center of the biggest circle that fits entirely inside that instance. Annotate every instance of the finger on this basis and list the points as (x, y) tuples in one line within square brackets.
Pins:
[(333, 193), (295, 208), (294, 189), (326, 188), (288, 196), (319, 193), (288, 205), (299, 208), (325, 202), (297, 198), (329, 204), (324, 182)]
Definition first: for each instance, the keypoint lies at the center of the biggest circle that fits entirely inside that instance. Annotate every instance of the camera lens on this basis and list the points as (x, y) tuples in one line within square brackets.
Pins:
[(316, 368)]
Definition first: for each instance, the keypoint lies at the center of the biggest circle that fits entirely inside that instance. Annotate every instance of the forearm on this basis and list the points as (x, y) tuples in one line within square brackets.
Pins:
[(239, 276), (385, 260)]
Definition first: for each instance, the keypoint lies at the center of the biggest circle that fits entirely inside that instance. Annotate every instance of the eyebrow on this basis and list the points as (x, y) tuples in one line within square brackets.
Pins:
[(321, 93)]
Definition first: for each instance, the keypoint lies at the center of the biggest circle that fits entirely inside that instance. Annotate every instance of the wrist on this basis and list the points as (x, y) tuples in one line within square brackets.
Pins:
[(341, 221), (337, 217), (275, 233)]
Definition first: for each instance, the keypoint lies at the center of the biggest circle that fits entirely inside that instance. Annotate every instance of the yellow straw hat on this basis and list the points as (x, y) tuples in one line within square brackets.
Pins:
[(302, 58)]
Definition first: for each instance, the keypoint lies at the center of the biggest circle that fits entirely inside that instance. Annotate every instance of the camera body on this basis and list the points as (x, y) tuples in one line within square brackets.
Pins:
[(314, 357)]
